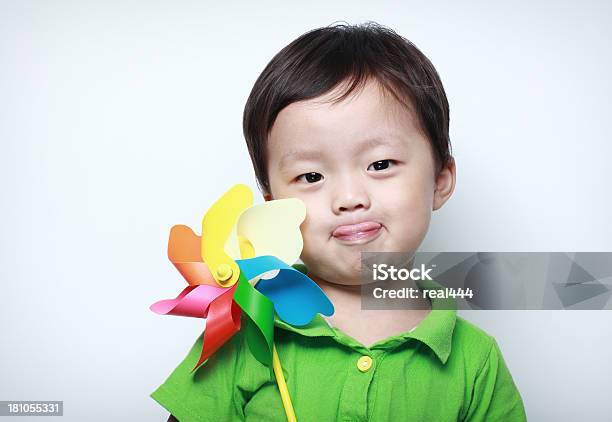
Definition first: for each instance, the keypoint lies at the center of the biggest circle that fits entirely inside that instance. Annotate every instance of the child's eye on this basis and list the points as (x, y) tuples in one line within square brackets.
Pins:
[(311, 177), (380, 165)]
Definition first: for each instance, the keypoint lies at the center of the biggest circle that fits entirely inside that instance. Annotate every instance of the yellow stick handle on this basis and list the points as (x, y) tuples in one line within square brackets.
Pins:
[(282, 386)]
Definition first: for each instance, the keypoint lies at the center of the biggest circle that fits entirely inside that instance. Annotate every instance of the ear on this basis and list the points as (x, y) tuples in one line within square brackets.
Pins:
[(445, 184)]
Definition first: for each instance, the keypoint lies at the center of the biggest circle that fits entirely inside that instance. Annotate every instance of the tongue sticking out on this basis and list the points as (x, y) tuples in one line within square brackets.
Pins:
[(356, 229)]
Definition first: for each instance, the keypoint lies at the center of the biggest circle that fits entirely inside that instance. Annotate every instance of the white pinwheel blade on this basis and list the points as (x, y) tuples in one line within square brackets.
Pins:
[(273, 228)]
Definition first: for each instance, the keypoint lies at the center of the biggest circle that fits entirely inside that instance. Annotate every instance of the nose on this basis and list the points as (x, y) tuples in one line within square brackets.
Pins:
[(350, 195)]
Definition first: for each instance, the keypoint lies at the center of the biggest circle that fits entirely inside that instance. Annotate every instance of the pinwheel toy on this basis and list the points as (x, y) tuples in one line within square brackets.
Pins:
[(242, 263)]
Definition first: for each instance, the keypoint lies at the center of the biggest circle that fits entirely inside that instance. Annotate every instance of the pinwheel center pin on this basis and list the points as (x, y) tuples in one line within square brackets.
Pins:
[(224, 272)]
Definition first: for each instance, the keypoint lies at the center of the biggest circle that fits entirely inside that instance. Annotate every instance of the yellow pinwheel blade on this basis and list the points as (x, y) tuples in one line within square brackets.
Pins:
[(232, 246), (273, 228), (217, 225)]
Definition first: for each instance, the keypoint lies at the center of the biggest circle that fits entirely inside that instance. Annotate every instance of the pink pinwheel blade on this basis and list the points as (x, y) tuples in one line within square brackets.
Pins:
[(193, 301)]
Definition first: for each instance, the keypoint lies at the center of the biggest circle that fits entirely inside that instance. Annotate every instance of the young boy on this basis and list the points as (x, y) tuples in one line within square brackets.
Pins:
[(353, 120)]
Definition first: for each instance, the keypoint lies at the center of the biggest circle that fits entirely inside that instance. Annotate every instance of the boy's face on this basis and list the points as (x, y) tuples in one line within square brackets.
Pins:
[(365, 172)]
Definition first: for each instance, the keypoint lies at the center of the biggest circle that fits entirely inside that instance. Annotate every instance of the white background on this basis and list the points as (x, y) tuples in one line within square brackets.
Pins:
[(121, 119)]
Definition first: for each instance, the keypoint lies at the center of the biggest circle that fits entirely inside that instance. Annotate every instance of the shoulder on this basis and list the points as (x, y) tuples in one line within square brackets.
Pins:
[(471, 344), (467, 332), (489, 384), (231, 357)]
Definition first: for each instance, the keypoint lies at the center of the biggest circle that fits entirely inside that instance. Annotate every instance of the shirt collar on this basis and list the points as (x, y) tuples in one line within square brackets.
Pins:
[(435, 330)]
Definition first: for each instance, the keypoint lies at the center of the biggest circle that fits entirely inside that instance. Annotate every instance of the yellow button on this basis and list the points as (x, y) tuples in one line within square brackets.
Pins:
[(364, 363), (224, 272)]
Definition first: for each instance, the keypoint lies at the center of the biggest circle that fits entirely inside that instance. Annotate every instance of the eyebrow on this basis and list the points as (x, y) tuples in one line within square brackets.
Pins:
[(296, 155), (367, 143)]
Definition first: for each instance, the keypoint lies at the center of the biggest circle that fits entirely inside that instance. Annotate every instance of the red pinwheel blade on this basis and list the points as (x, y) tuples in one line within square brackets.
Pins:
[(222, 323)]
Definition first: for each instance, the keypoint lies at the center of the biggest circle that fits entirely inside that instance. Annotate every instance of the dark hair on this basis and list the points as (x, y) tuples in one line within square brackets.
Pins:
[(321, 59)]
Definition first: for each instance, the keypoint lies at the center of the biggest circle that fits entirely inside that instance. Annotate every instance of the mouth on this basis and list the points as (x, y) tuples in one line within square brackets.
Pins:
[(357, 234)]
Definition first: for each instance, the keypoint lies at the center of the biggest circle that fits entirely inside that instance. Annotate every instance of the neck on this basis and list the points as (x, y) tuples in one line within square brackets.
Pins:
[(340, 294), (368, 326), (347, 300)]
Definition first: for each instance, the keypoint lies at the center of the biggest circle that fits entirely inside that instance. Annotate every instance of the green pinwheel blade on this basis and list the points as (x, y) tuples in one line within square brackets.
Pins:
[(258, 345), (260, 334)]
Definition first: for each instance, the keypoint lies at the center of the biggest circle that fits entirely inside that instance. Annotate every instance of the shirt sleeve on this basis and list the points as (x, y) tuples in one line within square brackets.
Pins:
[(495, 396), (215, 391)]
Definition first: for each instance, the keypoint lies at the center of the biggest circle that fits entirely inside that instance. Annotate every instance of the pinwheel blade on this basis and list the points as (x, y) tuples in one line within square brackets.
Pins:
[(296, 298), (193, 301), (273, 228), (222, 323), (217, 226), (184, 248), (260, 310)]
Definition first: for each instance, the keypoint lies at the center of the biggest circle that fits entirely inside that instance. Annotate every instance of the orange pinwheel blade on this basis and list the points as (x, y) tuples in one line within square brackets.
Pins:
[(184, 252)]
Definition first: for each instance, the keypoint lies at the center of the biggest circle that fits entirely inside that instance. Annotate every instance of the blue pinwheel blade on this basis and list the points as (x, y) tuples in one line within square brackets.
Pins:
[(297, 299)]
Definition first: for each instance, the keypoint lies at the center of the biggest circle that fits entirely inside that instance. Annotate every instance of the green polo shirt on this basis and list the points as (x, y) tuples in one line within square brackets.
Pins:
[(445, 369)]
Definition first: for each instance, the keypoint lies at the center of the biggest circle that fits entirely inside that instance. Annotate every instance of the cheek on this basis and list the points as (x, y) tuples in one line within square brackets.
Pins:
[(313, 226), (408, 210), (409, 203)]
